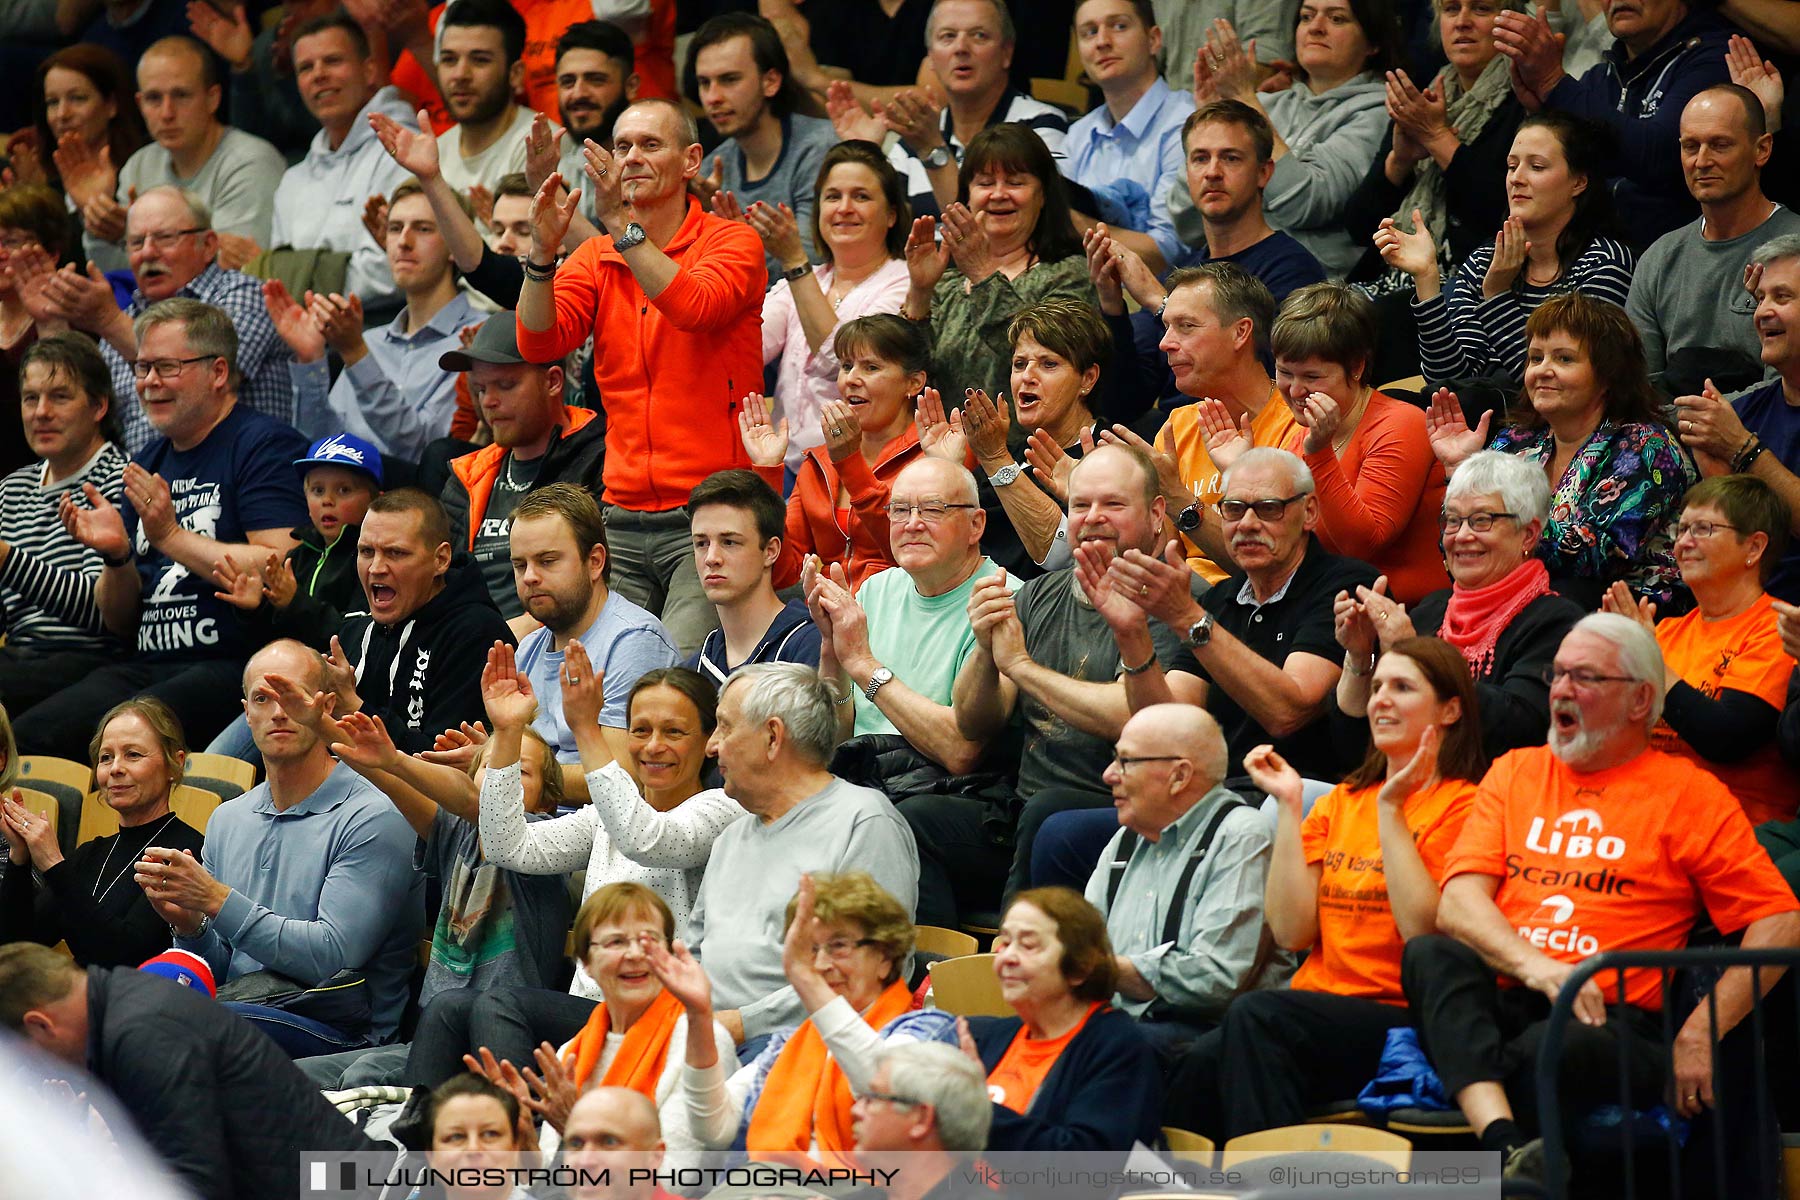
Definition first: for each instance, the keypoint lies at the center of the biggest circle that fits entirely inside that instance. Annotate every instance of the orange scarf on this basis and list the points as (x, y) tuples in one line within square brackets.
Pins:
[(639, 1063), (806, 1097)]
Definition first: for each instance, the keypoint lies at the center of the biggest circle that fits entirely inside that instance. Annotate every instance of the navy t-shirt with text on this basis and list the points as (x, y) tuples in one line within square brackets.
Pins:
[(240, 478)]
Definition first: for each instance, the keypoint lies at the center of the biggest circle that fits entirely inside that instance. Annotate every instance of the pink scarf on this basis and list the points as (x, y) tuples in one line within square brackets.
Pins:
[(1476, 617)]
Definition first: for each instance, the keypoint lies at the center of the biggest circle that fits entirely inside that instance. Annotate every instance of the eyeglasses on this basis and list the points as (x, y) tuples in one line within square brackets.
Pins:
[(1580, 676), (619, 943), (1702, 529), (1125, 763), (1480, 522), (930, 512), (1266, 510), (843, 947), (167, 368), (161, 240), (889, 1098)]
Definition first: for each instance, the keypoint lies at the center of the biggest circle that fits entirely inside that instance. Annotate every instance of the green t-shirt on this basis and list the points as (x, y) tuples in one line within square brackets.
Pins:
[(923, 640)]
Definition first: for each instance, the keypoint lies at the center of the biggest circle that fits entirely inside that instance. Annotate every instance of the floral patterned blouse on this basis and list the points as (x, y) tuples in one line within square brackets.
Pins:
[(1612, 514)]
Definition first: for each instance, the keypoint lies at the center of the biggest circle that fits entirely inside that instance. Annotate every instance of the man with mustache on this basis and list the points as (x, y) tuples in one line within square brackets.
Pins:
[(1593, 843), (1263, 641), (175, 252), (1687, 294), (1664, 53)]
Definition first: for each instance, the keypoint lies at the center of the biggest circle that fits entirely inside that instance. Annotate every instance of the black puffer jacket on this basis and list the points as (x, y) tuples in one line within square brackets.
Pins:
[(215, 1098), (422, 675)]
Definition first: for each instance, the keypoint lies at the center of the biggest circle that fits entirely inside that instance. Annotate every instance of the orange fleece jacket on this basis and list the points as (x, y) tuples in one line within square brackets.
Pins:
[(673, 370)]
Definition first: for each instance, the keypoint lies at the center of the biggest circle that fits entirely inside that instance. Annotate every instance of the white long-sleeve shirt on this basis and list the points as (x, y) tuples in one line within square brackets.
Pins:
[(618, 837)]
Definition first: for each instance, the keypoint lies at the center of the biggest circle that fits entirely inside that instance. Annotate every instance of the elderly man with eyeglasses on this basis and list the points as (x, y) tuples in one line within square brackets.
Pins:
[(1594, 843), (1045, 654), (174, 252), (1182, 880)]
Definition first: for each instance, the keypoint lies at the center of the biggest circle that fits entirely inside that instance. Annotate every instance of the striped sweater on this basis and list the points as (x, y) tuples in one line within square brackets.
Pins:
[(1462, 335), (47, 581)]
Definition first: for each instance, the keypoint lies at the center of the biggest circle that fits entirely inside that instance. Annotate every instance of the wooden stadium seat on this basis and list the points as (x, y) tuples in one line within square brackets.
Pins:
[(194, 806), (1187, 1145), (69, 782), (191, 805), (1425, 1122), (1071, 91), (1412, 383), (935, 939), (226, 777), (41, 804), (1389, 1148), (967, 987)]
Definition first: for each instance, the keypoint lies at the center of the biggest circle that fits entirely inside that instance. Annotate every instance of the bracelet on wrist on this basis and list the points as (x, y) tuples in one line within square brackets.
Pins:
[(1359, 667), (539, 271), (129, 555), (1126, 668)]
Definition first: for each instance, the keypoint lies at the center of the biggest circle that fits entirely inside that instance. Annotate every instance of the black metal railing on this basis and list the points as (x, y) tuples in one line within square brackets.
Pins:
[(1740, 1072)]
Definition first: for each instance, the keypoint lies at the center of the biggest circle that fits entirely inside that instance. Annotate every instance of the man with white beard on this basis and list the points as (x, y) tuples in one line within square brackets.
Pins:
[(1593, 843)]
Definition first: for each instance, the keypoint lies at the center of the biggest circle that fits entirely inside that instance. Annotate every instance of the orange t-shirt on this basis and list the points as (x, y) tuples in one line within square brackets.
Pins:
[(1379, 499), (545, 22), (1742, 653), (1358, 951), (1620, 859), (1020, 1072), (1180, 436)]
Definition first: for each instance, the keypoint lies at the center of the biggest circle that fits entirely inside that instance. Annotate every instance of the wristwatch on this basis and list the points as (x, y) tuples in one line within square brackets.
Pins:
[(1188, 519), (793, 273), (939, 156), (1007, 474), (633, 236), (878, 679), (1199, 633)]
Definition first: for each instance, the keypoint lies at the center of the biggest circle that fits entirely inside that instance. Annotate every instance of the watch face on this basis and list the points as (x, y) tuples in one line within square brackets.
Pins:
[(1188, 519)]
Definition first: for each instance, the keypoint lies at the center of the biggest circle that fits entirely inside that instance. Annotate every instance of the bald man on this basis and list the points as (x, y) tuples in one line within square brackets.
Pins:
[(1181, 882), (613, 1129), (234, 173)]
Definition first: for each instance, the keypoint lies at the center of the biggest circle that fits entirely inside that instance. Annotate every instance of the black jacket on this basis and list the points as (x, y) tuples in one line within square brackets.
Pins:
[(423, 675), (214, 1097), (328, 589)]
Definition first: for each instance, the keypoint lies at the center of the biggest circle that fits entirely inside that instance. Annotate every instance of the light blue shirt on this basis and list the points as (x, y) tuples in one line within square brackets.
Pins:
[(326, 885), (396, 396), (1130, 165), (623, 642)]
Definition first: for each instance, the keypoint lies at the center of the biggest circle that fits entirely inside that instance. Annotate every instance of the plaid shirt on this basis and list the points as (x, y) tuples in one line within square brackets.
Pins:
[(262, 357)]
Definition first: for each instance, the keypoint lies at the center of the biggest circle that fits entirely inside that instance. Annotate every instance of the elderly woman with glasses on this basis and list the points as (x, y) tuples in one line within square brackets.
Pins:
[(838, 507), (1725, 672), (845, 951), (1499, 611), (1600, 434)]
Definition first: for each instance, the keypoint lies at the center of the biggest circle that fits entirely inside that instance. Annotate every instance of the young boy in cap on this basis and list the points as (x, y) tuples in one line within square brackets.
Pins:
[(306, 595)]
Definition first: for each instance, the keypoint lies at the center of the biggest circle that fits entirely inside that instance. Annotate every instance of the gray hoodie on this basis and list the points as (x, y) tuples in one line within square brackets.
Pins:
[(1331, 139), (321, 197)]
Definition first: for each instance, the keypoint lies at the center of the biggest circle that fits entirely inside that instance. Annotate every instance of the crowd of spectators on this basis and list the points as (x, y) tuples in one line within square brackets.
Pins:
[(726, 486)]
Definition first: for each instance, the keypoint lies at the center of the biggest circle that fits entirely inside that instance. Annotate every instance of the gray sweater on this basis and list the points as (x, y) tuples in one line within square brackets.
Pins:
[(1332, 138), (237, 183), (1689, 292), (791, 181), (755, 868)]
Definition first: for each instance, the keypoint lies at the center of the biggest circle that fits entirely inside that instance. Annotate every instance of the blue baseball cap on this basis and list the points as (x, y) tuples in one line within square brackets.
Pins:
[(342, 450)]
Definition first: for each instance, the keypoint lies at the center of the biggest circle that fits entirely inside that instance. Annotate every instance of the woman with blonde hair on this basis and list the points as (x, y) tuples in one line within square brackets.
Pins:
[(90, 899)]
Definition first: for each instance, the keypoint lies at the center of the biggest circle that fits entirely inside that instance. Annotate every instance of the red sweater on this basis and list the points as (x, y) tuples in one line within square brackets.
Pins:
[(673, 370), (812, 516), (1380, 501)]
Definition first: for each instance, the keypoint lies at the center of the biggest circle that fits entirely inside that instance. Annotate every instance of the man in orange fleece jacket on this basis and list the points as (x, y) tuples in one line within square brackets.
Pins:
[(673, 298)]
